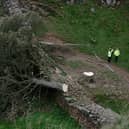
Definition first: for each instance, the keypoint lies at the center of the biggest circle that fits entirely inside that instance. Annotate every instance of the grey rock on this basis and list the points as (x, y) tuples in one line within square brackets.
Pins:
[(13, 7)]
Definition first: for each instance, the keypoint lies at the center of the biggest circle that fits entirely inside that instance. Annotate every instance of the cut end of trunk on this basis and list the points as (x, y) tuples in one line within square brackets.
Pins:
[(65, 88)]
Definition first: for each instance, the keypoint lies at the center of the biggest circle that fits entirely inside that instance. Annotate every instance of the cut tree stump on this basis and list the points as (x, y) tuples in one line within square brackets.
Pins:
[(86, 77)]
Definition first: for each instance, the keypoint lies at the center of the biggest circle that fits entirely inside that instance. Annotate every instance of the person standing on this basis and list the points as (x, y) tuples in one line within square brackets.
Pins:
[(110, 51), (116, 54)]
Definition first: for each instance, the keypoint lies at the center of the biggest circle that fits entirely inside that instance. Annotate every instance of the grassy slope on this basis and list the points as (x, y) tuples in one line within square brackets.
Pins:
[(117, 105), (96, 32), (56, 118)]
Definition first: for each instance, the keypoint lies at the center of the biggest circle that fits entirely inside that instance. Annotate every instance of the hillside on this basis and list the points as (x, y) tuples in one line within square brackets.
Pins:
[(51, 41), (95, 31)]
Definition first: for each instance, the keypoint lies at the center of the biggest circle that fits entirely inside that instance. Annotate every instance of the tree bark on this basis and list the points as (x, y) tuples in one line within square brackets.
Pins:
[(51, 84)]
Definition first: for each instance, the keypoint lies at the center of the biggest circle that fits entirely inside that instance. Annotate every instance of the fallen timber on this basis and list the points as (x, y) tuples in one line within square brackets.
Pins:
[(57, 44), (51, 84)]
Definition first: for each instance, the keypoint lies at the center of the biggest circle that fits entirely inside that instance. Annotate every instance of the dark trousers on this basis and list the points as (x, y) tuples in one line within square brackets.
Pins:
[(109, 59), (116, 59)]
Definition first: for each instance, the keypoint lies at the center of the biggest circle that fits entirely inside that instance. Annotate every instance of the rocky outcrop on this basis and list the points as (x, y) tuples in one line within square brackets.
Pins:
[(110, 2), (13, 7)]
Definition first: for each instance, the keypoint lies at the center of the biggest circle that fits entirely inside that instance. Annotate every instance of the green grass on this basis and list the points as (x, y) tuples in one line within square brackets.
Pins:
[(54, 119), (95, 32), (117, 105)]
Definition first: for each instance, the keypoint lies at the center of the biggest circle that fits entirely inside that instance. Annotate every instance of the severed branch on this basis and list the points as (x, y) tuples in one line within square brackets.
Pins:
[(51, 84)]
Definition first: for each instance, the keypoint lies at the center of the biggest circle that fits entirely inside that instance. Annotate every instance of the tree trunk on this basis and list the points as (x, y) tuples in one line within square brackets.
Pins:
[(51, 84)]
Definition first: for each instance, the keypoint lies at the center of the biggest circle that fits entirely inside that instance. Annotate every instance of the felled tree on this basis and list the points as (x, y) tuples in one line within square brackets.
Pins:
[(22, 59)]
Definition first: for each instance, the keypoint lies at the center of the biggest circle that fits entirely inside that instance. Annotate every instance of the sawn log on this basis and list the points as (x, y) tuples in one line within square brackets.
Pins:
[(51, 84)]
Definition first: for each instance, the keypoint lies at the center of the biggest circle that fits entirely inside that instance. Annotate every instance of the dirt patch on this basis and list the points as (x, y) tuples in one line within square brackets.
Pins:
[(109, 79), (51, 37)]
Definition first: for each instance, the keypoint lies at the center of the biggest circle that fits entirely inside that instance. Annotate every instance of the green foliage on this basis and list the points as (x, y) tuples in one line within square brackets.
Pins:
[(119, 106), (22, 58), (18, 47), (36, 22), (1, 9), (11, 23), (56, 118), (31, 20)]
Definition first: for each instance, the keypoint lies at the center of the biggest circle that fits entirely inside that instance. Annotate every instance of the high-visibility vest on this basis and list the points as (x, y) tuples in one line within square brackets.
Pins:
[(109, 53), (117, 52)]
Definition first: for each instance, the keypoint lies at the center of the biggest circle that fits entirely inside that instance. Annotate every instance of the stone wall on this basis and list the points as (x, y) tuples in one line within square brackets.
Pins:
[(90, 116)]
